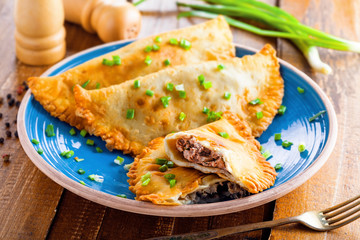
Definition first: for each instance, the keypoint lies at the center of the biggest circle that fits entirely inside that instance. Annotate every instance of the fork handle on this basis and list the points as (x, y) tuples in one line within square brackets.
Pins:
[(216, 233)]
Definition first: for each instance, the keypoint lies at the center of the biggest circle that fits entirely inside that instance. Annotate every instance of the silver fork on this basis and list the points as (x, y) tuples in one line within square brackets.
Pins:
[(325, 220)]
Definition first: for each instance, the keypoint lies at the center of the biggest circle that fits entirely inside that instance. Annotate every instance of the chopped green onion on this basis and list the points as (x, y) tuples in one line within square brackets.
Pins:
[(97, 86), (69, 154), (148, 49), (148, 60), (107, 62), (82, 182), (173, 41), (301, 147), (201, 79), (206, 110), (161, 161), (277, 136), (223, 134), (34, 141), (165, 101), (281, 110), (163, 168), (266, 154), (63, 153), (80, 171), (116, 60), (259, 115), (79, 159), (119, 160), (167, 62), (90, 142), (180, 87), (149, 93), (158, 39), (317, 115), (72, 132), (40, 151), (278, 166), (127, 166), (83, 133), (146, 182), (170, 87), (121, 195), (255, 101), (300, 90), (172, 182), (170, 164), (286, 144), (85, 84), (99, 150), (169, 176), (136, 83), (220, 67), (227, 95), (207, 85), (214, 116), (130, 113), (185, 44), (50, 130), (261, 149), (182, 94), (96, 178), (155, 47), (182, 116), (145, 179)]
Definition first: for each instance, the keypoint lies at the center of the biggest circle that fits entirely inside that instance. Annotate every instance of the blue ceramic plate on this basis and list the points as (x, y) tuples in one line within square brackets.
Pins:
[(318, 136)]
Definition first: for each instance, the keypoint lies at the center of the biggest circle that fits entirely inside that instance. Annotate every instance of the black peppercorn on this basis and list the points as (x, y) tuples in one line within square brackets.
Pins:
[(15, 121), (8, 134), (7, 124), (6, 157), (17, 103), (1, 115), (11, 102), (2, 140), (16, 134), (1, 100), (8, 96)]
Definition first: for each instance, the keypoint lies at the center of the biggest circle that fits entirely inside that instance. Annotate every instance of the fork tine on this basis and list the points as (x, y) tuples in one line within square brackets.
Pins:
[(340, 204), (344, 222), (343, 216), (342, 209)]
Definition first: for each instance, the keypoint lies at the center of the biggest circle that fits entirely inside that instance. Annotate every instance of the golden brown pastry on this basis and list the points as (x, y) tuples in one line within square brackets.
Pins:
[(211, 40), (127, 118)]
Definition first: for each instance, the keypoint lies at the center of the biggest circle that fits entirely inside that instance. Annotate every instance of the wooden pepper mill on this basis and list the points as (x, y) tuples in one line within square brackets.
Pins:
[(40, 32), (111, 19)]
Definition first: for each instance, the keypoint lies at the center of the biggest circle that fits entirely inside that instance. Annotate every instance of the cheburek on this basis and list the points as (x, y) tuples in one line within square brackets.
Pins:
[(211, 40), (226, 148), (256, 76)]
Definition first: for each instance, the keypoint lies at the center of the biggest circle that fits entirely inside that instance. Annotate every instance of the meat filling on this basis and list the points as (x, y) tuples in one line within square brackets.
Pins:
[(197, 153)]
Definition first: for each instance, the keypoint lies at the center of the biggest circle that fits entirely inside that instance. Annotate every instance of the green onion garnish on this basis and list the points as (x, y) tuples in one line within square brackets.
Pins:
[(185, 44), (149, 93), (286, 144), (82, 182), (167, 62), (266, 154), (255, 101), (97, 86), (214, 116), (278, 166), (40, 151), (146, 182), (136, 83), (170, 164), (182, 94), (207, 85), (172, 182), (119, 160), (201, 79), (223, 134), (130, 113), (50, 130), (83, 133), (127, 166), (259, 115), (148, 49), (79, 159), (301, 147), (170, 87), (300, 90), (155, 47), (169, 176), (173, 41), (107, 62), (261, 149), (281, 110), (158, 39), (96, 178), (148, 60), (80, 171), (121, 195), (72, 132), (182, 116), (145, 179), (85, 84), (63, 153), (69, 154), (34, 141), (180, 87), (163, 168), (206, 110), (90, 142), (227, 95), (220, 67), (317, 115), (161, 161), (277, 136), (165, 101), (99, 150), (116, 60)]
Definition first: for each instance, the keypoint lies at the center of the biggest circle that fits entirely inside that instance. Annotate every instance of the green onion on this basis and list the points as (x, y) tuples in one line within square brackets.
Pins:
[(148, 60), (79, 159), (119, 160), (97, 86), (261, 149), (278, 166), (182, 94), (259, 115), (182, 116), (130, 113), (121, 195), (136, 83), (107, 62), (81, 172), (116, 60), (286, 144), (149, 93), (223, 134), (96, 178), (158, 39), (127, 166), (281, 110), (148, 49), (82, 182), (50, 130), (172, 182), (180, 87), (99, 150), (167, 62), (317, 115), (63, 153), (201, 79), (185, 44), (155, 47), (301, 147), (163, 168), (90, 142), (277, 136), (169, 176), (83, 133), (300, 90), (161, 161), (214, 116), (255, 101), (220, 67), (34, 141), (146, 182), (72, 132), (145, 179), (170, 164), (85, 84), (227, 95), (69, 154), (207, 85), (266, 154), (170, 87), (206, 110), (40, 151), (165, 101), (173, 41)]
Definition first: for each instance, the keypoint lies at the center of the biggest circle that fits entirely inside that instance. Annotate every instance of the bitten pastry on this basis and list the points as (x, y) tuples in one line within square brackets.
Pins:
[(211, 40), (127, 117), (226, 148)]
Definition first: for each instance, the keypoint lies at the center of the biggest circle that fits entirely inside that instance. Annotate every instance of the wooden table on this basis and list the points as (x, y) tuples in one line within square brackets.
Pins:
[(34, 207)]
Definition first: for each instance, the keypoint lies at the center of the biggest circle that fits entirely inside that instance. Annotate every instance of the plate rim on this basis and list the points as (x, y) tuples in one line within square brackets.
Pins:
[(196, 210)]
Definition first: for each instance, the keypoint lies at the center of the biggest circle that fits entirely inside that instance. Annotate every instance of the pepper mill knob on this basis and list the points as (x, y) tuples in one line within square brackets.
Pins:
[(111, 19), (40, 32)]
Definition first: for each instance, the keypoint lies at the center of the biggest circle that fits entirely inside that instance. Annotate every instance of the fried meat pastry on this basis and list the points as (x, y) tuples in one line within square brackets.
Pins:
[(183, 98), (211, 40)]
